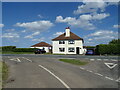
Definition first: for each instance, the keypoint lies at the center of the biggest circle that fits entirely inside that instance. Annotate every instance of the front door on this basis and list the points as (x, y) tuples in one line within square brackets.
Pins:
[(77, 50)]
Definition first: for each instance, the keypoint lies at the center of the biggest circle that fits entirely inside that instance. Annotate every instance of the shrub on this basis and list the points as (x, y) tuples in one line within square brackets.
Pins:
[(107, 49), (24, 49), (8, 48)]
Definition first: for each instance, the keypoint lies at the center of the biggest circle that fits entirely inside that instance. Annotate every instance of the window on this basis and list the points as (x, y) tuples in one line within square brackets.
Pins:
[(61, 49), (71, 41), (61, 42), (71, 49)]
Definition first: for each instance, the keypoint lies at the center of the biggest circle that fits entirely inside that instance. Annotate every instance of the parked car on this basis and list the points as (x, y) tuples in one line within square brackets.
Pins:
[(90, 52), (40, 51)]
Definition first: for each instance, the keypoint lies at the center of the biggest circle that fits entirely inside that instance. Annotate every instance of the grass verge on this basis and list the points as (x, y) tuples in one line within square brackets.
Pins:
[(73, 61), (4, 73)]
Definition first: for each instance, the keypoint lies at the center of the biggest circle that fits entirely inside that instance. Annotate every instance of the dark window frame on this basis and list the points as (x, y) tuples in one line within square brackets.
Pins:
[(71, 42), (62, 49), (61, 42), (70, 49)]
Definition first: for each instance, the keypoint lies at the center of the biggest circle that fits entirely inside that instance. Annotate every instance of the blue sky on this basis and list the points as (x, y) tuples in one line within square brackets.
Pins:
[(26, 23)]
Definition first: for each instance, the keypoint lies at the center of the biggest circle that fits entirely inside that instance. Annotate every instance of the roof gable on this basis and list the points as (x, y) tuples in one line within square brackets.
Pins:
[(72, 37), (41, 44)]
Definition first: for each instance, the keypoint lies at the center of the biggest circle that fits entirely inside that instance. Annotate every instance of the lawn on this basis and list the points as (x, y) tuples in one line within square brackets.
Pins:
[(74, 61)]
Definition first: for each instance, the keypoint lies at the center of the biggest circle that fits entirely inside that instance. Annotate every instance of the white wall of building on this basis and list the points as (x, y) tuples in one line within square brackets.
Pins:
[(46, 48), (56, 46)]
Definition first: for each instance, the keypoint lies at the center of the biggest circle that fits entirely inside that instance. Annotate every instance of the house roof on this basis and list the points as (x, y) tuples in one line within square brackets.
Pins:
[(41, 44), (72, 36)]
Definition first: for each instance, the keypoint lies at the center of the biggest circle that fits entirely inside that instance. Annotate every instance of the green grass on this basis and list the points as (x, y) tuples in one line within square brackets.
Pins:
[(16, 52), (4, 71), (73, 61)]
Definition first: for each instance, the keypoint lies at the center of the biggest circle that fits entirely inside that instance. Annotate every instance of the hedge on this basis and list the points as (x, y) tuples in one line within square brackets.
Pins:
[(8, 48), (107, 49), (24, 49)]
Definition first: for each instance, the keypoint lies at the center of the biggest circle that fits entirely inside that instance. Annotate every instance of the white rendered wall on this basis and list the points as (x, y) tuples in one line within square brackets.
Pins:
[(46, 48), (56, 46)]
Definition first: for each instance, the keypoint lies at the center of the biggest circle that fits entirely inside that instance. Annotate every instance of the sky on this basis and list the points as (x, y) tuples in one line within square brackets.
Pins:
[(27, 23)]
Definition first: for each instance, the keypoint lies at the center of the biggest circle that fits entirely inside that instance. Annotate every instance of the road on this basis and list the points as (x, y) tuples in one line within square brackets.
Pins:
[(46, 71)]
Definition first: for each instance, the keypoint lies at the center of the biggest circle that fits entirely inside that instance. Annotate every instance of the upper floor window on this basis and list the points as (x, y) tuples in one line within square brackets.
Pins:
[(71, 49), (61, 49), (71, 41), (61, 42)]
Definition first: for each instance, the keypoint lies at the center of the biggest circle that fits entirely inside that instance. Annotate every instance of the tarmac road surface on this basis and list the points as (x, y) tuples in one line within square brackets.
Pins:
[(45, 71)]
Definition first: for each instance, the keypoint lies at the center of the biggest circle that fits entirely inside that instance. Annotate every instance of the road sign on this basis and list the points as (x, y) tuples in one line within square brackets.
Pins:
[(110, 65)]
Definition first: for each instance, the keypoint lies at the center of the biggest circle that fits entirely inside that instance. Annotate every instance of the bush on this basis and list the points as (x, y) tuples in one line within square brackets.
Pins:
[(8, 48), (107, 49), (24, 49)]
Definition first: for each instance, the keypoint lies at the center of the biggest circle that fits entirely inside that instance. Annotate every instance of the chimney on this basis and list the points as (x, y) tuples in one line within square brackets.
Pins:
[(67, 31)]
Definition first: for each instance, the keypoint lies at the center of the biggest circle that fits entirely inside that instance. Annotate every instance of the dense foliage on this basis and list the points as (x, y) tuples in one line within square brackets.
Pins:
[(24, 49), (14, 49), (8, 48), (111, 48), (115, 41)]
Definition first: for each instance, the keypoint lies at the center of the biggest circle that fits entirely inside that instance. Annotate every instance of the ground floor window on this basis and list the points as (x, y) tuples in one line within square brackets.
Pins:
[(61, 49), (71, 49)]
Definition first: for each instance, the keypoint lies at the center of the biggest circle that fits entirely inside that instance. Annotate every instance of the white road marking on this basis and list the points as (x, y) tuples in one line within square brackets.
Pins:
[(18, 59), (89, 71), (99, 59), (105, 59), (108, 78), (56, 77), (15, 59), (82, 68), (118, 80), (110, 65), (27, 59), (98, 74), (92, 59), (114, 60)]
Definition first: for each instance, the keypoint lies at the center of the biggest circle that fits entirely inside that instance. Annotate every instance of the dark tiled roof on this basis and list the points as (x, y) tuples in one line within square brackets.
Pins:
[(72, 36), (41, 44)]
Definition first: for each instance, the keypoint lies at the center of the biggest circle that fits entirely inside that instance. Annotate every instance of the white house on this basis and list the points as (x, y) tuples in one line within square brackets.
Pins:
[(68, 43), (43, 45)]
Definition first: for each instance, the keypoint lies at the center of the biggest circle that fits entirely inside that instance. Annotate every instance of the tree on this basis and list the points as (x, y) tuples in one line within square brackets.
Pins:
[(115, 41)]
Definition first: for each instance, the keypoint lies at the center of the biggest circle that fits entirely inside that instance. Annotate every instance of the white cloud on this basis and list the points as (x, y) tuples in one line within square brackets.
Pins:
[(40, 16), (36, 25), (23, 31), (10, 35), (67, 19), (90, 7), (1, 25), (93, 6), (84, 21), (75, 22), (101, 37), (58, 33), (10, 30), (28, 36), (116, 26), (32, 35), (39, 39), (100, 16)]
